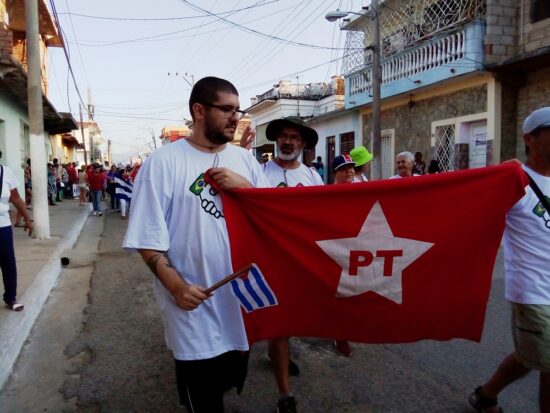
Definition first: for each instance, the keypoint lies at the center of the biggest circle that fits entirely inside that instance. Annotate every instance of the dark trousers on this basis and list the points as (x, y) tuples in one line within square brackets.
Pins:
[(202, 383), (7, 264)]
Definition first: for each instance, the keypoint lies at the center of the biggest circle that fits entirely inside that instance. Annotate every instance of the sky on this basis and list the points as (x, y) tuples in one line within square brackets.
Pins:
[(136, 60)]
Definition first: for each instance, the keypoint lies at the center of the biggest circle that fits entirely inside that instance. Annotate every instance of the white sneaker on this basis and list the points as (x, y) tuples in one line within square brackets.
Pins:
[(99, 213), (94, 213)]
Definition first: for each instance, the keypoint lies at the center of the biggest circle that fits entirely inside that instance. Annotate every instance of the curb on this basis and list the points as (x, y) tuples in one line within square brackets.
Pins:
[(16, 329)]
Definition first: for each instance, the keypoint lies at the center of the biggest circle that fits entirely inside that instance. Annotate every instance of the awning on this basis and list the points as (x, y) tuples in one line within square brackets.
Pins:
[(13, 80)]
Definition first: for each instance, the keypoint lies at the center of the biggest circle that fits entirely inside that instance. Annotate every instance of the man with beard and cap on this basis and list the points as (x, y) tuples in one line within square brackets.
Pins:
[(292, 136), (177, 224)]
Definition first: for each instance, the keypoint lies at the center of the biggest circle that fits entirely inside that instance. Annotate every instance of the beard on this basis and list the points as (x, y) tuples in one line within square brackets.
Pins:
[(216, 135), (295, 154)]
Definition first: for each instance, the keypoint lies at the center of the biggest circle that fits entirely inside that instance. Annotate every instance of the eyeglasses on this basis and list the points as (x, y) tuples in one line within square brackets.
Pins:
[(228, 111), (290, 138)]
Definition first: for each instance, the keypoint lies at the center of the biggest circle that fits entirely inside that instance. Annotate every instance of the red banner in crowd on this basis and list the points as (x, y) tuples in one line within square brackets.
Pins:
[(389, 261)]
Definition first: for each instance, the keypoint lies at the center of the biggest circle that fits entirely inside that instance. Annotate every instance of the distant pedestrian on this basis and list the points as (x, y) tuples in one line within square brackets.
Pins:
[(419, 166), (434, 168), (97, 183), (404, 162), (362, 157), (527, 274), (83, 185), (9, 193), (319, 166)]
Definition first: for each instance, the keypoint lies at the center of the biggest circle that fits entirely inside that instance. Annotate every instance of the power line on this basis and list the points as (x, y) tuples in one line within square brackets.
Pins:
[(60, 30), (258, 4)]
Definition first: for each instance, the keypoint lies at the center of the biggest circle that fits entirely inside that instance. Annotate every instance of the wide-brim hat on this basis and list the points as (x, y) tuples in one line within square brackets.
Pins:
[(361, 155), (342, 160), (309, 135)]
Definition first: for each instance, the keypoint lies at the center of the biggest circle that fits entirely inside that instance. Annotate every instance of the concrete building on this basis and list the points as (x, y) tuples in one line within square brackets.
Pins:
[(14, 121), (307, 101), (458, 76)]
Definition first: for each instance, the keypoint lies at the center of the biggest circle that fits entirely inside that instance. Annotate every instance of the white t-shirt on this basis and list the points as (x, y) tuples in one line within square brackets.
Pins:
[(174, 210), (527, 247), (281, 177), (358, 181), (399, 176), (8, 183)]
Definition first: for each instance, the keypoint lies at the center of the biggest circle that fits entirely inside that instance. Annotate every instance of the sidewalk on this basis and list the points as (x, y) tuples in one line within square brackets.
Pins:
[(38, 268)]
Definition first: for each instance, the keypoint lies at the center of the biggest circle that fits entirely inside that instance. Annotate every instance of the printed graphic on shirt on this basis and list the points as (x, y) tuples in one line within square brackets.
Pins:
[(541, 212), (206, 194), (284, 185)]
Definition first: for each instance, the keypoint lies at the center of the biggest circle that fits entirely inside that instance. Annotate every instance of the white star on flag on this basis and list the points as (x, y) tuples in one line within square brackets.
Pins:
[(375, 259)]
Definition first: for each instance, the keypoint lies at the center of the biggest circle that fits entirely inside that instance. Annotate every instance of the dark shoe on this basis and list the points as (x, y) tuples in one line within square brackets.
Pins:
[(287, 405), (343, 347), (14, 306), (293, 369), (482, 403)]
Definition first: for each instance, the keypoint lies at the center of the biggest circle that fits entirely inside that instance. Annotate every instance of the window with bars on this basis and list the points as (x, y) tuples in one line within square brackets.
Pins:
[(347, 142), (444, 150)]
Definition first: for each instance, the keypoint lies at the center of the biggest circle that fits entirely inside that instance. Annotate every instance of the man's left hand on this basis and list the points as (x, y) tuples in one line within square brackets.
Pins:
[(227, 179)]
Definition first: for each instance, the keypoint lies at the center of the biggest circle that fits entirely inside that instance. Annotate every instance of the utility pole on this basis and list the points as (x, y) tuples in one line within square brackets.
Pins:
[(36, 124), (82, 133), (376, 171), (298, 96)]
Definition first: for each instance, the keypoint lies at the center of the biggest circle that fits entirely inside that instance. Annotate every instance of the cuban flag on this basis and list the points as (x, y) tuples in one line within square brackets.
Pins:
[(253, 291), (123, 190)]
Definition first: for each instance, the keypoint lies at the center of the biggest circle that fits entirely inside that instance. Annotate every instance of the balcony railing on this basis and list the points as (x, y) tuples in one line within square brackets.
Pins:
[(430, 62)]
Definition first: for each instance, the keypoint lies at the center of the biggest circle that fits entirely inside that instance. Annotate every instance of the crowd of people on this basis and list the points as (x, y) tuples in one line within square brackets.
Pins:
[(177, 226), (89, 183)]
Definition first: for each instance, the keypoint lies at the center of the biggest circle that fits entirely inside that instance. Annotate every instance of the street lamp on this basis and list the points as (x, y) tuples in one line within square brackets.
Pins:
[(376, 170)]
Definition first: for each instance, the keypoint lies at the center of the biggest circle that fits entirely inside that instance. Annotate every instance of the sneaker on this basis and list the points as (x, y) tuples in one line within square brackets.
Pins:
[(94, 213), (287, 404), (484, 404), (293, 369), (343, 347), (99, 213)]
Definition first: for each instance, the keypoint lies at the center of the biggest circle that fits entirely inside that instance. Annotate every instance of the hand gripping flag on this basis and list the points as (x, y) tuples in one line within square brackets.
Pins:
[(380, 262)]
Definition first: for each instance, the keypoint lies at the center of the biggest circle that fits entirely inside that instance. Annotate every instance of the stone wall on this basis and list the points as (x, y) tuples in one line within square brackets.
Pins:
[(511, 31), (535, 94), (501, 30), (413, 126)]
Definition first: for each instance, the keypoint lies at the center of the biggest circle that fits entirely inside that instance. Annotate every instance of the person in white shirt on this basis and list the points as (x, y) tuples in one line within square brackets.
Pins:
[(404, 162), (178, 226), (527, 274), (9, 193), (292, 136)]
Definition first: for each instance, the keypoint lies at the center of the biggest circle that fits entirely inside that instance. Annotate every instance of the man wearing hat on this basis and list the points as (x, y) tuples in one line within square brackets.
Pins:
[(527, 273), (292, 136), (344, 169), (361, 156)]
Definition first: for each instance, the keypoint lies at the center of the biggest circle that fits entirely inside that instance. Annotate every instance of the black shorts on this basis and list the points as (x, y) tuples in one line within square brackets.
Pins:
[(202, 383)]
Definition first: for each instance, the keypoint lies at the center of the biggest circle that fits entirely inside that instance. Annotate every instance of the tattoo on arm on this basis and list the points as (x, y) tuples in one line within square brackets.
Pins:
[(153, 262)]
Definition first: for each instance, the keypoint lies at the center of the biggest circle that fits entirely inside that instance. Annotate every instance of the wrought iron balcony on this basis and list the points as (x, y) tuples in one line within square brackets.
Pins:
[(433, 60)]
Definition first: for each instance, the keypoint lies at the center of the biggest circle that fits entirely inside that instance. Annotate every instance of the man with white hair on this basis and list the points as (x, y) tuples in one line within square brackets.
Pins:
[(404, 162), (527, 274)]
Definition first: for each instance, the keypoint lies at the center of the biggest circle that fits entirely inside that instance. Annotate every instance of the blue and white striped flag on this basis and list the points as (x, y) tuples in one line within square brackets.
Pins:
[(253, 291), (123, 190)]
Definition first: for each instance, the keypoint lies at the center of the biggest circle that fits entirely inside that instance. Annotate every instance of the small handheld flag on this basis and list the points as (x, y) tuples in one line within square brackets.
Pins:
[(252, 290)]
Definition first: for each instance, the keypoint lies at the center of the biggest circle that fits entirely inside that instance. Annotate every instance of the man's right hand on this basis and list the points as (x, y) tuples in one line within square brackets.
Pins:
[(189, 297)]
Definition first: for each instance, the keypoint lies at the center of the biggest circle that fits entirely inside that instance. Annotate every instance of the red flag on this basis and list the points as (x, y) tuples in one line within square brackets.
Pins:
[(381, 262)]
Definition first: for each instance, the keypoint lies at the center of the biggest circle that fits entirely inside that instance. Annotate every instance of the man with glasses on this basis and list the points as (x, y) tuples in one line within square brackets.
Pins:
[(292, 137), (177, 224)]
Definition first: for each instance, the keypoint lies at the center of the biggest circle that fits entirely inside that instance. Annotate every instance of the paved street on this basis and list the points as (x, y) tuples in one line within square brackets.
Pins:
[(98, 346)]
